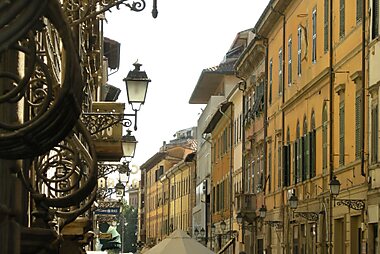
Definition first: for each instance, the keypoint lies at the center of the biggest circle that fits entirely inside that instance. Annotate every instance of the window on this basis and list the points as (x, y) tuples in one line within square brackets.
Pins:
[(305, 151), (290, 62), (326, 26), (269, 167), (359, 10), (299, 50), (324, 138), (270, 80), (280, 66), (312, 147), (314, 36), (279, 163), (374, 133), (375, 18), (341, 18), (341, 132), (358, 129)]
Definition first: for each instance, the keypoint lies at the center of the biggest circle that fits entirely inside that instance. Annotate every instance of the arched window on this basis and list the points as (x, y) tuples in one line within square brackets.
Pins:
[(324, 138), (304, 153), (312, 146)]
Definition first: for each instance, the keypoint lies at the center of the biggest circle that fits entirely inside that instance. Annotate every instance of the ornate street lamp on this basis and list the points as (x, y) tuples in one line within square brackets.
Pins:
[(262, 212), (356, 204), (196, 233), (128, 143), (202, 232), (239, 218), (223, 226), (334, 186), (119, 189), (293, 201), (137, 84)]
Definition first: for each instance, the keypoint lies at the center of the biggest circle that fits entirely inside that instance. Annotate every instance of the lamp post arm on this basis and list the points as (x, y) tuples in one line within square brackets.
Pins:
[(97, 122), (135, 6)]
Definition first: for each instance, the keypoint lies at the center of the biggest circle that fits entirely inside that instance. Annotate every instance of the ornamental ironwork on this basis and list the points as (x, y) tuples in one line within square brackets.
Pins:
[(310, 216), (274, 223), (356, 204), (98, 122), (41, 79), (65, 177), (105, 169)]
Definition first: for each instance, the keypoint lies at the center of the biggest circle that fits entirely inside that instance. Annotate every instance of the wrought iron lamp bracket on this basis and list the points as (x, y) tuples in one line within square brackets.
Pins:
[(106, 169), (135, 6), (356, 204), (98, 122), (274, 223), (310, 216)]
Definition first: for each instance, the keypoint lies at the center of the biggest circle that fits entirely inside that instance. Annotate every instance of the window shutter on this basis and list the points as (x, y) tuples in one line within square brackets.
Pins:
[(342, 18), (359, 10), (307, 156), (341, 133), (295, 161), (375, 18), (358, 137), (326, 26)]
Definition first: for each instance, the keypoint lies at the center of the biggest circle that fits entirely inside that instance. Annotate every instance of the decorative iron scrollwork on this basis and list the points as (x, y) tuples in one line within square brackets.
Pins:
[(98, 122), (66, 176), (356, 204), (310, 216), (36, 35), (274, 223), (105, 169)]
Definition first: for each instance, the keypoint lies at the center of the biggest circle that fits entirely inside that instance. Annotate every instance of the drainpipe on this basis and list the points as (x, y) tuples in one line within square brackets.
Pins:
[(331, 132), (363, 87)]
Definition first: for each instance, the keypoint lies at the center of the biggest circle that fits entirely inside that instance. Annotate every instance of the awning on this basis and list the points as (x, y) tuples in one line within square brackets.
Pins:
[(228, 244)]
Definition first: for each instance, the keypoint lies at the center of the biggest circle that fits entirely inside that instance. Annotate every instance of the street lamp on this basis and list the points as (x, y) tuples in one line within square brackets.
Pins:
[(356, 204), (137, 84), (293, 201), (223, 226), (128, 143), (334, 186), (119, 189), (262, 212)]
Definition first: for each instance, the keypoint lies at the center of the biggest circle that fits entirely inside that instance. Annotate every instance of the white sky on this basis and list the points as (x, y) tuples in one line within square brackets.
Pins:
[(185, 38)]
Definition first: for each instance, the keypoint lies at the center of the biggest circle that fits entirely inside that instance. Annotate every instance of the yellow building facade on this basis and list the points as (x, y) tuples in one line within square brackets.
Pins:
[(169, 176)]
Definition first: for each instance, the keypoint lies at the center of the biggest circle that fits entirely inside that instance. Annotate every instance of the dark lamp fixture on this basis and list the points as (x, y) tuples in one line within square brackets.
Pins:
[(239, 218), (223, 225), (293, 201), (196, 232), (334, 186), (137, 84), (119, 189), (128, 143), (203, 232), (262, 212), (213, 228)]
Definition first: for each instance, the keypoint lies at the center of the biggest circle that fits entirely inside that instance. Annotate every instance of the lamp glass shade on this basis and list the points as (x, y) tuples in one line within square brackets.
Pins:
[(213, 228), (223, 226), (239, 218), (119, 190), (128, 143), (137, 85), (334, 186), (262, 212), (293, 201), (196, 232)]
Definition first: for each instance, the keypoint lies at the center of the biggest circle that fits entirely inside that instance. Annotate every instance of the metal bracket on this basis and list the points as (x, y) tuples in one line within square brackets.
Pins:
[(356, 204), (310, 216), (97, 122), (274, 223)]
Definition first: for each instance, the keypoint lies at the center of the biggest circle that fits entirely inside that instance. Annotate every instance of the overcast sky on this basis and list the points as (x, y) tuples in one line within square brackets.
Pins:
[(174, 48)]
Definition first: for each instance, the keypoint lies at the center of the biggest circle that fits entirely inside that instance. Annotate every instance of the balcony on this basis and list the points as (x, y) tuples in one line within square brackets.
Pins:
[(246, 204), (105, 124)]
